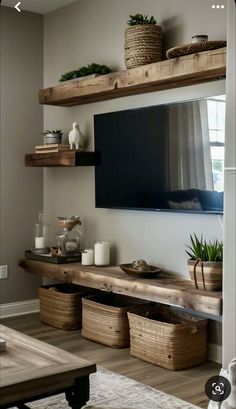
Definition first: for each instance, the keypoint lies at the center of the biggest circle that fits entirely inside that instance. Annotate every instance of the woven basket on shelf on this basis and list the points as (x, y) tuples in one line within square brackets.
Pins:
[(143, 45), (104, 318), (168, 339), (61, 305), (206, 275)]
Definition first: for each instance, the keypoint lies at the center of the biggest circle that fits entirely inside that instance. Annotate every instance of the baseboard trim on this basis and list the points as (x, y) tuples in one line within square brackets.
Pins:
[(19, 308), (215, 353)]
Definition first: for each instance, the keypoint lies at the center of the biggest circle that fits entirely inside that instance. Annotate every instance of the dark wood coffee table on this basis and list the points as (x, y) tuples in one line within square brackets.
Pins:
[(31, 370)]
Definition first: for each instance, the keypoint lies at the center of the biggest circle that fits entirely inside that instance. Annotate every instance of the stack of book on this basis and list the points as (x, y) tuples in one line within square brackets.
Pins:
[(54, 147)]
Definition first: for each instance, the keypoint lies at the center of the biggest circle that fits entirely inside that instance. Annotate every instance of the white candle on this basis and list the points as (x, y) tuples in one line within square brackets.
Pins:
[(87, 257), (40, 242), (102, 253)]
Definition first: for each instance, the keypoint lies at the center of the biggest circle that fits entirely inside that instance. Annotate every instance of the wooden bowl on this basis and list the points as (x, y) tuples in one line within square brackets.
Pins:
[(153, 272)]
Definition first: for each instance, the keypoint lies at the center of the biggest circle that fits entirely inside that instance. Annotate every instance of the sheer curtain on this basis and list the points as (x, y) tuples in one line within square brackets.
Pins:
[(189, 147)]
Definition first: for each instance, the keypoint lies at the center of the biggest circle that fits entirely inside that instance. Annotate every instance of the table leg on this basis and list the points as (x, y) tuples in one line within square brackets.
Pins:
[(78, 395)]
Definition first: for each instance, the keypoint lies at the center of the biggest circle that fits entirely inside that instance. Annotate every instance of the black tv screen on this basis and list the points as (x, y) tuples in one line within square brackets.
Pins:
[(158, 158)]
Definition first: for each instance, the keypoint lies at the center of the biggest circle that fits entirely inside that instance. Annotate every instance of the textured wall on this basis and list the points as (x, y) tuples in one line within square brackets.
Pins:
[(21, 126)]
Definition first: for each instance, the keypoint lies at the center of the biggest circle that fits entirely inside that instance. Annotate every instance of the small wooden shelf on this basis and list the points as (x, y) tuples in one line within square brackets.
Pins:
[(164, 289), (68, 158), (186, 70)]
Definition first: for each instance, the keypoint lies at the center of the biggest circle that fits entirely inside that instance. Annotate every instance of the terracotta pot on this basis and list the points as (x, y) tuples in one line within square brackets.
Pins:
[(206, 275)]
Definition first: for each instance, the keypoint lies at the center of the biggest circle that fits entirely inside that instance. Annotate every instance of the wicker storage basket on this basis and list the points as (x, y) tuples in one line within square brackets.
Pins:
[(143, 45), (104, 318), (206, 275), (168, 339), (61, 305)]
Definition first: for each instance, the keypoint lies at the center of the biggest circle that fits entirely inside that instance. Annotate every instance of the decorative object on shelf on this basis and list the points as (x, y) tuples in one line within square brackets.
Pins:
[(140, 268), (205, 263), (52, 147), (75, 136), (85, 71), (200, 38), (143, 41), (70, 237), (87, 257), (102, 253), (54, 257), (52, 137), (195, 47), (40, 236), (167, 338)]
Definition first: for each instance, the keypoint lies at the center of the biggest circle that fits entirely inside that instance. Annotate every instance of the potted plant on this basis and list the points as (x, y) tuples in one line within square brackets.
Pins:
[(143, 41), (205, 263), (52, 136), (85, 71)]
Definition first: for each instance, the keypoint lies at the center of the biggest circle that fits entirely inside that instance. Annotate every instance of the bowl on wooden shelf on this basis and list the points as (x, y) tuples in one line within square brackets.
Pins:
[(135, 269)]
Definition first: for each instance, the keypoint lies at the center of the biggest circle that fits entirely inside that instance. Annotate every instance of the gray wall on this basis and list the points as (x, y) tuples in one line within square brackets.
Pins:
[(90, 31), (21, 127)]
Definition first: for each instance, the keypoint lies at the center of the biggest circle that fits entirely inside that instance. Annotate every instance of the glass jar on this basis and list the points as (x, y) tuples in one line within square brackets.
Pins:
[(69, 237), (40, 236)]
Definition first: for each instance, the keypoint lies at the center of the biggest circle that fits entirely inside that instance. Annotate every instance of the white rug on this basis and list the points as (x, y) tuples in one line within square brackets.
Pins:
[(116, 391)]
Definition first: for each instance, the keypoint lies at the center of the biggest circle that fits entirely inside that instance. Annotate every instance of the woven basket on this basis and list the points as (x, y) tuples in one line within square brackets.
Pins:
[(206, 275), (169, 339), (105, 318), (143, 45), (61, 306)]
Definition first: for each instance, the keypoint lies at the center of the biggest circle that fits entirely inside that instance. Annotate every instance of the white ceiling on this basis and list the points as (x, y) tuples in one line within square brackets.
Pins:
[(38, 6)]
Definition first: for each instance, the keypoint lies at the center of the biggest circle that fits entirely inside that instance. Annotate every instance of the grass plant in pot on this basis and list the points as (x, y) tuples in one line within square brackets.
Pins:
[(205, 263), (53, 136), (143, 41)]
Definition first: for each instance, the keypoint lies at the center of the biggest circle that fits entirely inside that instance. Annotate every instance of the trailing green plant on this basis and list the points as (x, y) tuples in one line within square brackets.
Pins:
[(53, 131), (86, 70), (140, 19), (203, 250)]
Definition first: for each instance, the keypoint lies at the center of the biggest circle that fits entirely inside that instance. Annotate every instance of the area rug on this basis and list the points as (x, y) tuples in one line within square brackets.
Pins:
[(112, 390)]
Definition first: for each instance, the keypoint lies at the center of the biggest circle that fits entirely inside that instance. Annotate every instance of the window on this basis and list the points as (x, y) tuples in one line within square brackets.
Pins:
[(216, 123)]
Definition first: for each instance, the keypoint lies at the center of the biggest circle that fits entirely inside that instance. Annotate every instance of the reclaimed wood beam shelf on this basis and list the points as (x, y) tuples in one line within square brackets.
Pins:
[(177, 72), (65, 158), (164, 289)]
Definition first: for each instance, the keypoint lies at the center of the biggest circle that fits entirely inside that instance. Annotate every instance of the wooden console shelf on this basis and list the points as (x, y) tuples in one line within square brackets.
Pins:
[(68, 158), (177, 72), (164, 289)]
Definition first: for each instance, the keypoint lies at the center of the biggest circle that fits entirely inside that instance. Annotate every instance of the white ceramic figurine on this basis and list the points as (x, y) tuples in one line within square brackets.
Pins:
[(75, 136)]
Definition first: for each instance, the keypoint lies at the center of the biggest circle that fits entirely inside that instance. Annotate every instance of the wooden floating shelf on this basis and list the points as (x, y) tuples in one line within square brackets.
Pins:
[(164, 289), (177, 72), (68, 158)]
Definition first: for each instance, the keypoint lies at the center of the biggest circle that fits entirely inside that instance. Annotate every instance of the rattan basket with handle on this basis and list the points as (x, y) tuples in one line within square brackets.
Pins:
[(143, 45), (168, 339), (61, 305), (104, 318)]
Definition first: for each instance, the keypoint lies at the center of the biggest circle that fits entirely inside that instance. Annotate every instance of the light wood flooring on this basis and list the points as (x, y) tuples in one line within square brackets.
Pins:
[(187, 384)]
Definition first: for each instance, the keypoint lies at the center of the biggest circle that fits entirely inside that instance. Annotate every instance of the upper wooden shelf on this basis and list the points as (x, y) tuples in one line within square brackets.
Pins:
[(164, 289), (66, 158), (186, 70)]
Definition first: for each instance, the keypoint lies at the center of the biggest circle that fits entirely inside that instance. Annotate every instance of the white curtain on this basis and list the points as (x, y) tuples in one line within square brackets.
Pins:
[(189, 147)]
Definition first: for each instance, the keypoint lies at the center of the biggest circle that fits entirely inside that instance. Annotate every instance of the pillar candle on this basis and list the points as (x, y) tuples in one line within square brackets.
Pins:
[(87, 257), (39, 242), (102, 253)]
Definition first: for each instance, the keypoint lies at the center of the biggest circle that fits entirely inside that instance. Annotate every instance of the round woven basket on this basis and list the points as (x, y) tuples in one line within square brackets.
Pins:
[(143, 45)]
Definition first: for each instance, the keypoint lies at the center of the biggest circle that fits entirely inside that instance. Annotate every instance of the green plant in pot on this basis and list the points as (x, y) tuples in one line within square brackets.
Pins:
[(52, 136), (205, 263), (143, 41)]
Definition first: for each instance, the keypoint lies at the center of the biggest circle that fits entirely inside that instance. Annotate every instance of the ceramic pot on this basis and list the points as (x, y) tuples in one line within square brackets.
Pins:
[(206, 275)]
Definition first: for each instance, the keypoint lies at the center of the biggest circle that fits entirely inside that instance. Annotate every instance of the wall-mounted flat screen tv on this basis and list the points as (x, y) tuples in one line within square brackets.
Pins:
[(167, 157)]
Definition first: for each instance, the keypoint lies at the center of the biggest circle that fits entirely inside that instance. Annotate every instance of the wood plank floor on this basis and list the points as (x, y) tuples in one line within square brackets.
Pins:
[(186, 384)]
